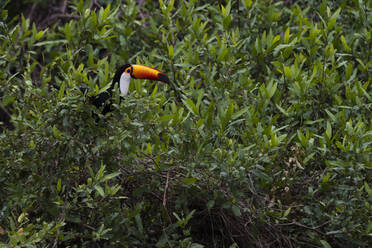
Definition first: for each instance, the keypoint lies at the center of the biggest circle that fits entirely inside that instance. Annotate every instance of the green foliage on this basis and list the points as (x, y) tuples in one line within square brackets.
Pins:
[(270, 145)]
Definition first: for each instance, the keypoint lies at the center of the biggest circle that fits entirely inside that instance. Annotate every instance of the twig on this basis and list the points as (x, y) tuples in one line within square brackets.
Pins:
[(61, 218), (63, 6), (63, 16), (32, 11), (158, 197), (253, 190), (89, 227), (55, 242), (148, 157), (295, 223), (238, 14), (165, 190), (95, 2), (52, 19)]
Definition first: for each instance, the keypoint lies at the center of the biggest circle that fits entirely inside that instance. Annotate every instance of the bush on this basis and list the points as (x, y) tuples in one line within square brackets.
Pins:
[(269, 146)]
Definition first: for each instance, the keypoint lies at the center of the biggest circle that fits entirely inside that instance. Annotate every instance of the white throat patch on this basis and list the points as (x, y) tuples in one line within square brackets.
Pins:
[(124, 83)]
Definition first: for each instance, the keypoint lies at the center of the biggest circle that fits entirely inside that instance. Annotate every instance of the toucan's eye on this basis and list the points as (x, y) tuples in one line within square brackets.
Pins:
[(128, 70)]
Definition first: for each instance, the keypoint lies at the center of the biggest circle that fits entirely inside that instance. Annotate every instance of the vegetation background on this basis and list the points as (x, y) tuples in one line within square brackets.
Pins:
[(270, 146)]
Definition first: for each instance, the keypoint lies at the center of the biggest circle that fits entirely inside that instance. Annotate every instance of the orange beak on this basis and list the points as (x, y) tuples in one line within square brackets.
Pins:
[(146, 72)]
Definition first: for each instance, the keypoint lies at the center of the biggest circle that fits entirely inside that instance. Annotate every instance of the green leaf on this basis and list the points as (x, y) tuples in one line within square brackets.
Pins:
[(365, 93), (223, 10), (110, 176), (56, 132), (170, 51), (61, 91), (239, 113), (272, 89), (68, 32), (189, 216), (368, 190), (200, 97), (286, 213), (332, 20), (191, 106), (105, 88), (40, 34), (100, 190), (149, 148), (190, 180), (222, 54), (25, 23), (177, 216), (329, 130), (343, 41), (325, 244), (210, 204), (22, 217), (80, 7), (302, 138), (161, 4), (139, 224), (59, 185), (287, 72), (154, 91), (275, 42), (332, 116), (247, 3), (100, 172), (228, 113), (106, 12), (92, 21), (170, 6), (228, 7), (286, 35), (349, 71), (236, 210), (283, 111), (50, 42), (4, 13)]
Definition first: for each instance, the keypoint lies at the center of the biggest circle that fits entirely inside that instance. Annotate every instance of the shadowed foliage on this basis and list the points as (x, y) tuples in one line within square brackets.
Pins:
[(269, 144)]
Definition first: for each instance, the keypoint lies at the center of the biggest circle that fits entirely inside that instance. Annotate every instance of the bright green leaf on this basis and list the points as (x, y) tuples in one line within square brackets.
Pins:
[(100, 190), (190, 180)]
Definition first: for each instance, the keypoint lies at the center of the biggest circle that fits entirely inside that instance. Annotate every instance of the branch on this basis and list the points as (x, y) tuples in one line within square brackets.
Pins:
[(53, 18), (165, 190), (295, 223)]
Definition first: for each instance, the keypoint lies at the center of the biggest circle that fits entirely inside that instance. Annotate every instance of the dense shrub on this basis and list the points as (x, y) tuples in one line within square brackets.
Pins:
[(270, 145)]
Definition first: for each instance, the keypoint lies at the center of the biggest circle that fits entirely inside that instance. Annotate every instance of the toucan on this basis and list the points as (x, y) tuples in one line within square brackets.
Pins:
[(122, 78)]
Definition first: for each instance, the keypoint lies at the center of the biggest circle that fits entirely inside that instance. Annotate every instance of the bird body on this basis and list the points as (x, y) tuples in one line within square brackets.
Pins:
[(122, 78)]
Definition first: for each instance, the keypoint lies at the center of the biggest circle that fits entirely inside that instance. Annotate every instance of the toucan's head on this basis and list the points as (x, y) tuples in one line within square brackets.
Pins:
[(126, 72)]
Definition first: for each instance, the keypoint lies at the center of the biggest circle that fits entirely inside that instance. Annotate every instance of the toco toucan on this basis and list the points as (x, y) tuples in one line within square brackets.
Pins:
[(122, 79)]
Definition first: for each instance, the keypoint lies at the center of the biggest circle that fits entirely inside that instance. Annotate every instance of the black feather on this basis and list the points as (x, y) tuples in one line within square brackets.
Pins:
[(105, 98)]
